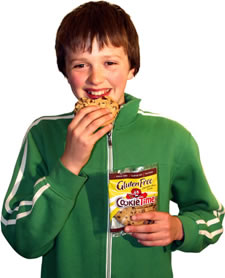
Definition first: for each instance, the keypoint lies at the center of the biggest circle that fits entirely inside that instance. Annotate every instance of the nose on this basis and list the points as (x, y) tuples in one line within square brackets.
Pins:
[(96, 75)]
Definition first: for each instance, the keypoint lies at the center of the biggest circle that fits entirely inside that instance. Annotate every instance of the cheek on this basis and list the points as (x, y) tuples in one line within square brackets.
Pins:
[(118, 79), (76, 81)]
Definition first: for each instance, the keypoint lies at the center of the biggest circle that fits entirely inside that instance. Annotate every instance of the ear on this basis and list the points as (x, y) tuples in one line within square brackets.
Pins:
[(130, 74)]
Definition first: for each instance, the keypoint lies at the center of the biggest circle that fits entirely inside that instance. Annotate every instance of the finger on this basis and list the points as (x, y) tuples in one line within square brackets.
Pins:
[(150, 215), (80, 114), (101, 132), (99, 122), (159, 235), (86, 115), (154, 243), (149, 228), (87, 125)]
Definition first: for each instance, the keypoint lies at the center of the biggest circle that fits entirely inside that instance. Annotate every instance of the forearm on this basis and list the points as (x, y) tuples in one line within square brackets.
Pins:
[(201, 228), (32, 224)]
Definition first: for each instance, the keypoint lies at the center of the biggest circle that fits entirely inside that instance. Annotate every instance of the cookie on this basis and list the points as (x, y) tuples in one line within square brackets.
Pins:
[(124, 216), (103, 102)]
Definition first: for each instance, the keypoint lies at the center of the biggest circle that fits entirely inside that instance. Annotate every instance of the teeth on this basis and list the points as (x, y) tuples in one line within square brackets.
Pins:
[(99, 93)]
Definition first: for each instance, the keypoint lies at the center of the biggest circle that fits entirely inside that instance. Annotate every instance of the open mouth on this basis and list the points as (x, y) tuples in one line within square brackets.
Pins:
[(94, 94)]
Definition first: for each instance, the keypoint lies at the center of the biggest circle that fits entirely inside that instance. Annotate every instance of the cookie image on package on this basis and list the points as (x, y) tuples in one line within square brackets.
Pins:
[(124, 216), (103, 102)]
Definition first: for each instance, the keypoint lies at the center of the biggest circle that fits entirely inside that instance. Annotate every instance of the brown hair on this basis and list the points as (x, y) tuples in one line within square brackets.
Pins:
[(106, 22)]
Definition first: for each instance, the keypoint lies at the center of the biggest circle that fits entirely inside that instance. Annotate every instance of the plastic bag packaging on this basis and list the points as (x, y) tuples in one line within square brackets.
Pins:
[(131, 191)]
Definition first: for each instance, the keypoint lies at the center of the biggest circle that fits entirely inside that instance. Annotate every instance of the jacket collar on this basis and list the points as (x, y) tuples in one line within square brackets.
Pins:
[(128, 112)]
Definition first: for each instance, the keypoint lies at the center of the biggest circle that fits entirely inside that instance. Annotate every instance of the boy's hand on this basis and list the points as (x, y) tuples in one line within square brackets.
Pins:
[(164, 230), (82, 135)]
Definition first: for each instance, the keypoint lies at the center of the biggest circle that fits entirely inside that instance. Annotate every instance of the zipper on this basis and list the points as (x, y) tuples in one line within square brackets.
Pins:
[(109, 234)]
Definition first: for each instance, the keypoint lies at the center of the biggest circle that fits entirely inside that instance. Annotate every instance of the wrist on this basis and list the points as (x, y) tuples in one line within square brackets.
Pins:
[(179, 229), (70, 166)]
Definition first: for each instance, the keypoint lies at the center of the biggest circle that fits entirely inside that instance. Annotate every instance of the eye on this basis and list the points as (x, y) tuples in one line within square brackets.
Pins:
[(79, 66), (110, 63)]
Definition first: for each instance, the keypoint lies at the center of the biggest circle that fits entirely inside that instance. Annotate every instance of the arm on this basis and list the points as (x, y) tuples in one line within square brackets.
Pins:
[(200, 219), (39, 201), (37, 205), (200, 212)]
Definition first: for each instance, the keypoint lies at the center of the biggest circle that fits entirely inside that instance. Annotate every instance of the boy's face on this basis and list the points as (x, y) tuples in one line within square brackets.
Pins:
[(99, 73)]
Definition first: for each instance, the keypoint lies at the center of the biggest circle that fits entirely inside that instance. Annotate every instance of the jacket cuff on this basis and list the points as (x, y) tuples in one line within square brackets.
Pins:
[(65, 182), (190, 241)]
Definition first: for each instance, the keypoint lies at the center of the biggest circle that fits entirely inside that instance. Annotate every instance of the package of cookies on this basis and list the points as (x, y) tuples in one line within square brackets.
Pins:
[(132, 191)]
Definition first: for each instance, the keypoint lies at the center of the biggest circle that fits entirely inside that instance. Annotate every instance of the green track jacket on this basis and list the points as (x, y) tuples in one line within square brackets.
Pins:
[(50, 212)]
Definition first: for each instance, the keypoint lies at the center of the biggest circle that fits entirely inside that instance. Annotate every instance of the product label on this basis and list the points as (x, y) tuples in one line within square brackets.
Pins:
[(132, 192)]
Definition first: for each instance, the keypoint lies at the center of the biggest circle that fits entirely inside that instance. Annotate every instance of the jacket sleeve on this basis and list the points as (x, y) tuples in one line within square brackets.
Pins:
[(38, 202), (200, 212)]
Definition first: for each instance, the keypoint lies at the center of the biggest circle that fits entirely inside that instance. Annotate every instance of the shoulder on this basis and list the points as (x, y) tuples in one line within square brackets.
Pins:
[(51, 120), (46, 124), (171, 134), (161, 123)]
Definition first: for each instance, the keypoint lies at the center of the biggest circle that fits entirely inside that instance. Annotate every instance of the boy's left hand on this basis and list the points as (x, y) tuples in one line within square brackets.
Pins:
[(164, 230)]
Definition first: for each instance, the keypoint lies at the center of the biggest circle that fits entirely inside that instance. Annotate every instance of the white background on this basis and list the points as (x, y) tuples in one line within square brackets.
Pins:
[(182, 76)]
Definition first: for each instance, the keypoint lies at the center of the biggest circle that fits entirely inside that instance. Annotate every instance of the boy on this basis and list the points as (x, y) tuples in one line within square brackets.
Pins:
[(57, 202)]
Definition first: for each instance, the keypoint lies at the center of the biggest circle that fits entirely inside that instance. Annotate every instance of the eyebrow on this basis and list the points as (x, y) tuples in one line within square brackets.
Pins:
[(86, 59), (77, 59), (112, 56)]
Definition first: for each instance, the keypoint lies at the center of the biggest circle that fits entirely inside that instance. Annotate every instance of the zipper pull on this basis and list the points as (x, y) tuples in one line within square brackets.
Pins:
[(109, 134)]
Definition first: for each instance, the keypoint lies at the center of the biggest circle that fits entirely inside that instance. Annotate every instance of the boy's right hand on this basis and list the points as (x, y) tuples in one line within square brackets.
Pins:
[(82, 134)]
